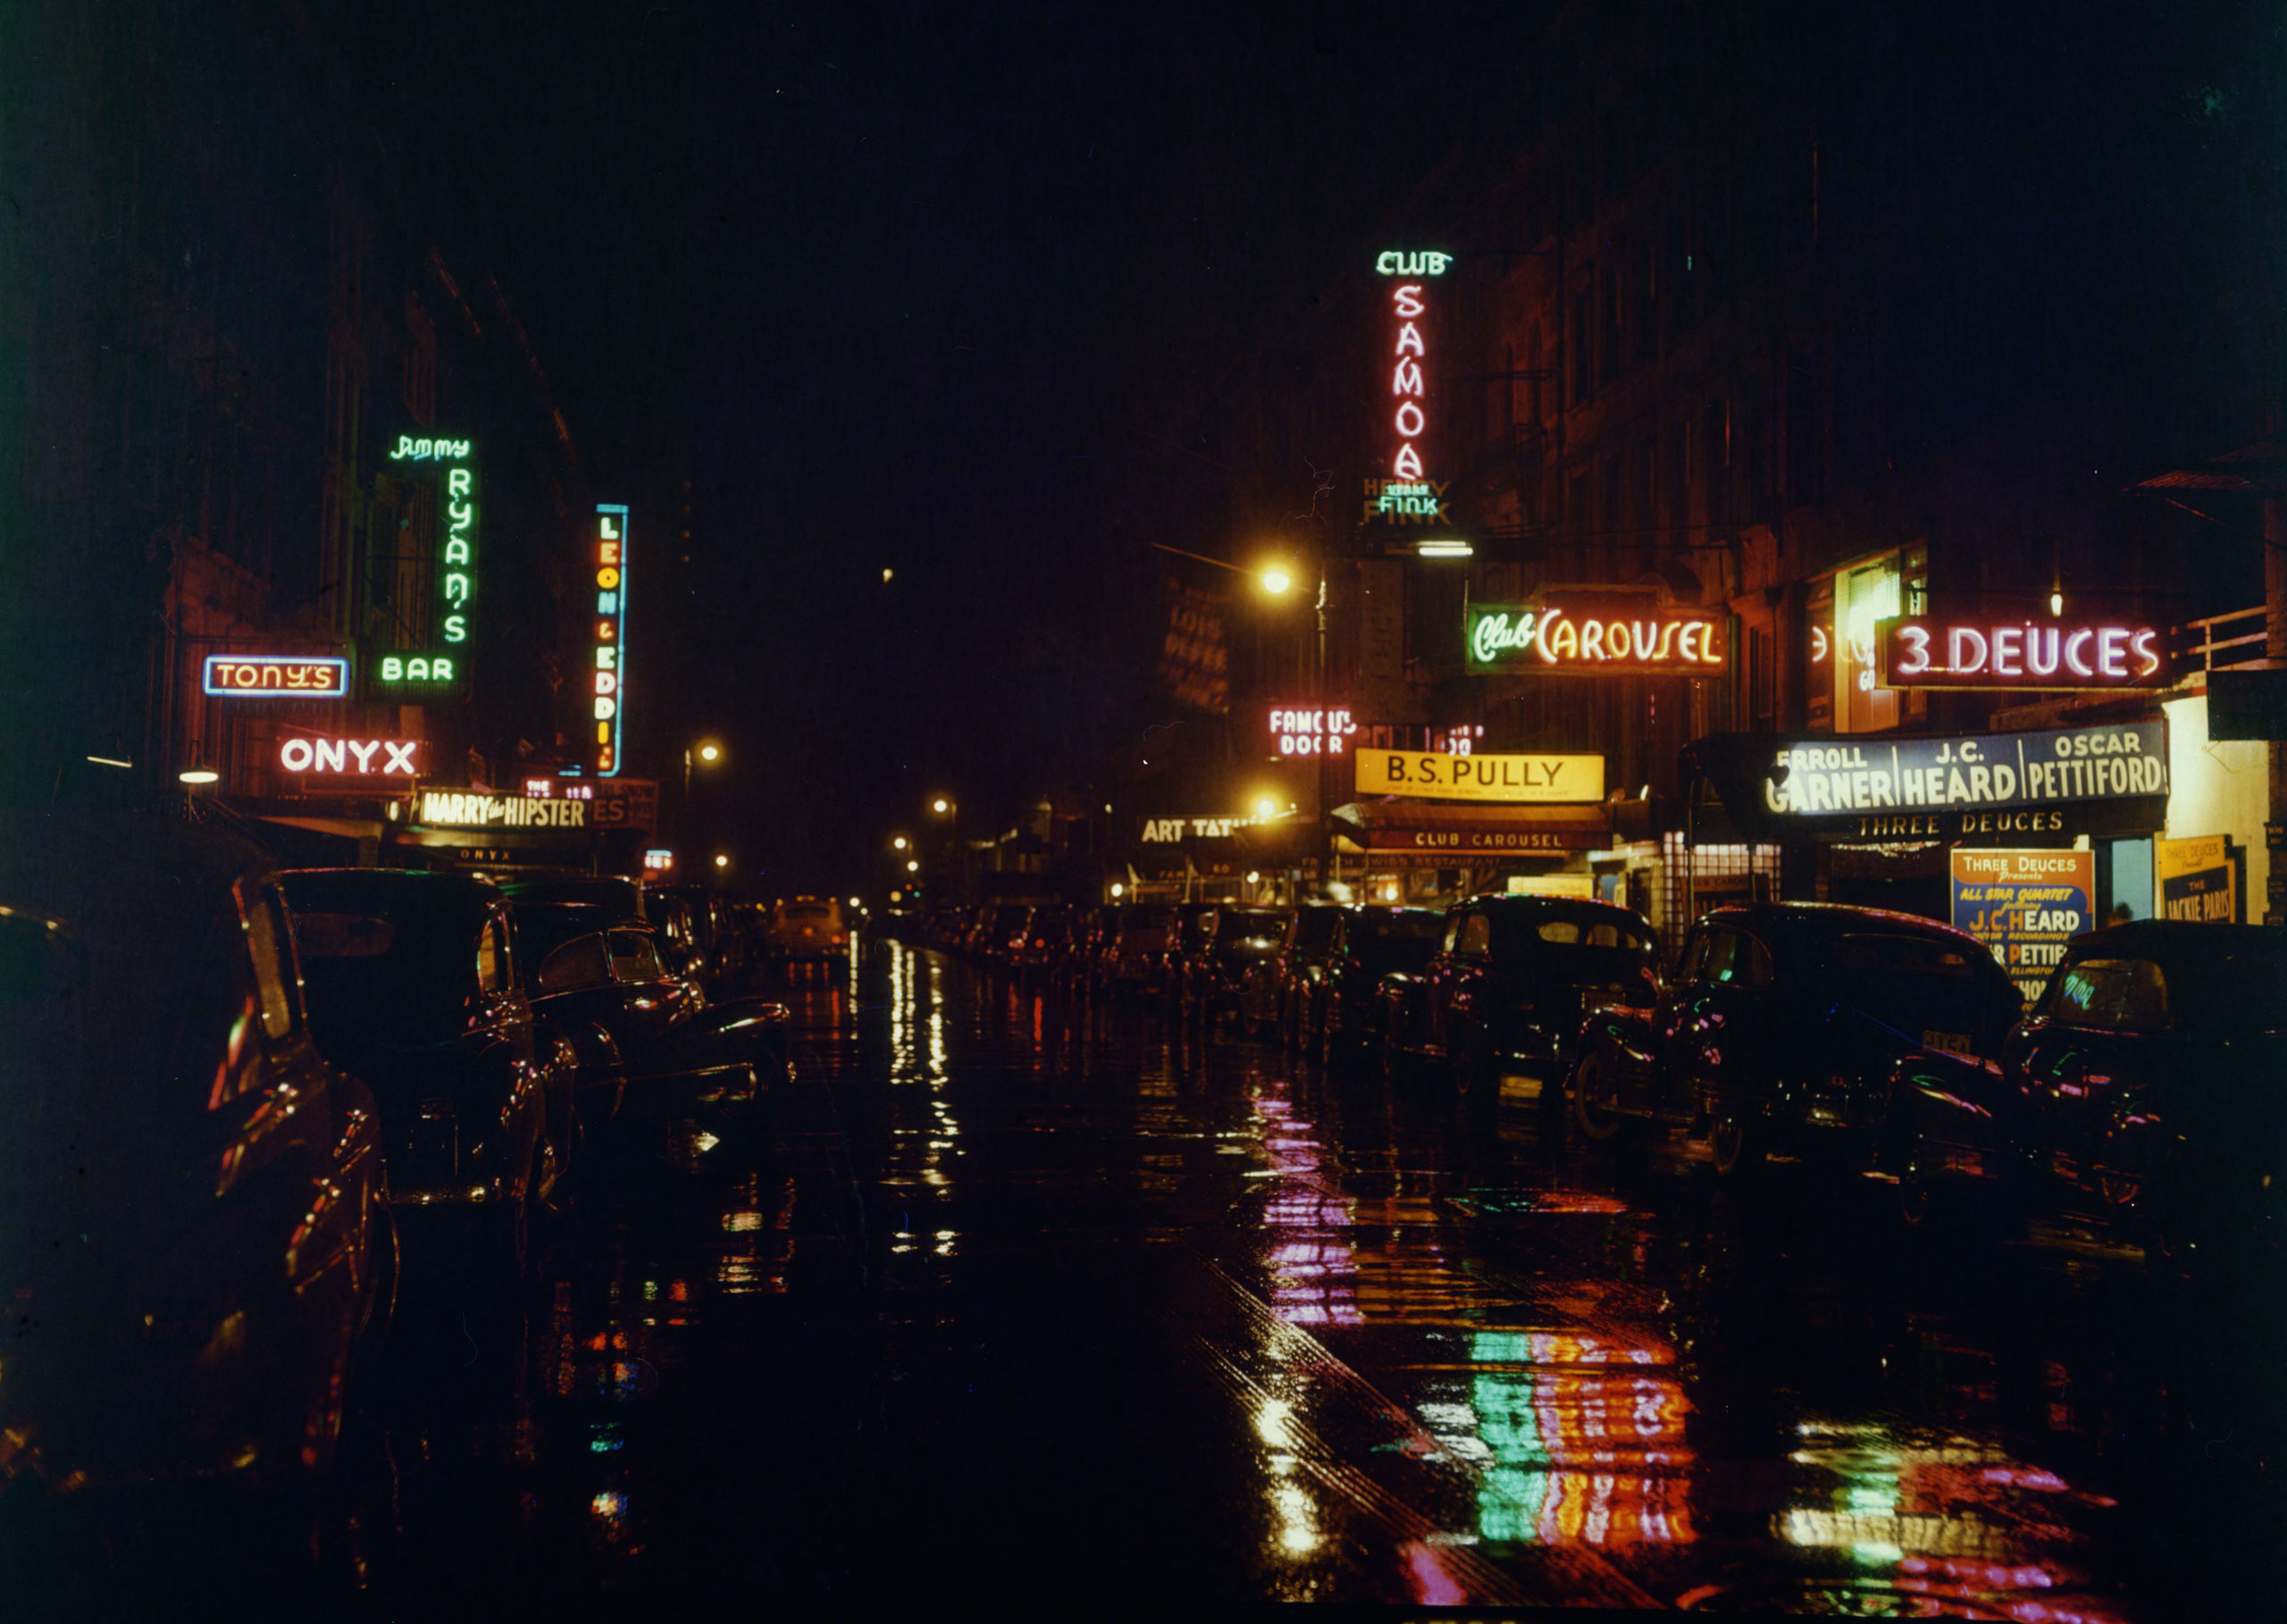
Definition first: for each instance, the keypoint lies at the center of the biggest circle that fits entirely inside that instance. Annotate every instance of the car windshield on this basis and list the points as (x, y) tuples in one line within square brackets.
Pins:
[(542, 928), (1314, 929), (1934, 992), (1250, 930), (1398, 942), (378, 977)]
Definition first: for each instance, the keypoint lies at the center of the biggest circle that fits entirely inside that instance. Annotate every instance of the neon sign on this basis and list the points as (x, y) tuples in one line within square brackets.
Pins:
[(2022, 654), (1409, 353), (609, 674), (261, 676), (364, 758), (658, 859), (1606, 633), (457, 571), (436, 670), (468, 809), (1312, 732)]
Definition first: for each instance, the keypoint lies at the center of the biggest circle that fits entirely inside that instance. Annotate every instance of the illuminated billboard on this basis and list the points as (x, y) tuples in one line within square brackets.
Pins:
[(446, 627), (1990, 653), (607, 668), (350, 757), (1515, 779), (1593, 631), (1408, 495), (270, 676)]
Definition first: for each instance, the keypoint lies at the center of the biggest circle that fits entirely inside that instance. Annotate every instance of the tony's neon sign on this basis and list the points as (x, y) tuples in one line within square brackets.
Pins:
[(2023, 654), (267, 676)]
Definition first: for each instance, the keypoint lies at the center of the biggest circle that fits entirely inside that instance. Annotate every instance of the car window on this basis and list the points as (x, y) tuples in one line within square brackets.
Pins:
[(635, 957), (1559, 930), (269, 945), (1936, 991), (1736, 959), (342, 935), (492, 973), (1474, 938), (2110, 995)]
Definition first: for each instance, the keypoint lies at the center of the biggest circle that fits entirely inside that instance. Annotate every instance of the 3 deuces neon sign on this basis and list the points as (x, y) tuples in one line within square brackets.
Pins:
[(2056, 655)]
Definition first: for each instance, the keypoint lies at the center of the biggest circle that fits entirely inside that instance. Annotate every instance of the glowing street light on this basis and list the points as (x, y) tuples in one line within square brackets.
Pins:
[(199, 775), (912, 865), (899, 843), (721, 862), (1277, 579), (941, 805)]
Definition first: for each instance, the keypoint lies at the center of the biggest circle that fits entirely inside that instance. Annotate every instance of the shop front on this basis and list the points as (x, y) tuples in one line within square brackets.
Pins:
[(1967, 828), (1423, 853)]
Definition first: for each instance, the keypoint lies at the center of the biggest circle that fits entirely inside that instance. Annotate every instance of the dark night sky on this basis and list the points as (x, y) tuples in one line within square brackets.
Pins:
[(937, 289), (949, 291)]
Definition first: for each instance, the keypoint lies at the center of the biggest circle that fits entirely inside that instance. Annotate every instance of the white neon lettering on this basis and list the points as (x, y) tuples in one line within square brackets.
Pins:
[(1407, 379), (2007, 653), (1408, 341), (363, 750), (1408, 302), (1408, 465), (1409, 421), (2041, 660), (2141, 646), (2112, 652), (1959, 643), (295, 755), (2079, 667), (1916, 640), (400, 756)]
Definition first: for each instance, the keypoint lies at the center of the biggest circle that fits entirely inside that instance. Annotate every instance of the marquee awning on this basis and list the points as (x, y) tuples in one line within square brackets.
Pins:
[(1418, 829)]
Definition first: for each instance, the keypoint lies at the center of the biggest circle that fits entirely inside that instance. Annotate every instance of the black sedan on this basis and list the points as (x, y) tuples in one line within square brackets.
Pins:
[(1369, 943), (1511, 987), (417, 985), (1782, 1028), (192, 1232), (2140, 1092)]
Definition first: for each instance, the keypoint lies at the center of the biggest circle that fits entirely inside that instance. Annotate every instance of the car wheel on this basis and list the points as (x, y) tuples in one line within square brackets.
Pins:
[(1737, 1142), (1597, 1123)]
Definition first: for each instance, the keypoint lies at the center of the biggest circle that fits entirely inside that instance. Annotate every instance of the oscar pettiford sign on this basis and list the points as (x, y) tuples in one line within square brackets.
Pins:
[(2056, 655), (1515, 779), (1900, 778), (1592, 632)]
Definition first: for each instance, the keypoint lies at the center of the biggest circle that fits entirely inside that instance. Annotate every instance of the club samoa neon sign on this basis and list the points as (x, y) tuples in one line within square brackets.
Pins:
[(607, 671), (2058, 655), (1408, 495), (1592, 634)]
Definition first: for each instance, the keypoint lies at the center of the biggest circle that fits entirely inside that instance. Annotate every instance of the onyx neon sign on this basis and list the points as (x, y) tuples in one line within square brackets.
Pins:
[(265, 676), (1591, 634), (608, 673), (2054, 655), (358, 758), (1410, 356)]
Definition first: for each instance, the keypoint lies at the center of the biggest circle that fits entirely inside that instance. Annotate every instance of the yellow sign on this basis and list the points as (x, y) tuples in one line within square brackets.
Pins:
[(2195, 879), (1504, 778), (1581, 885)]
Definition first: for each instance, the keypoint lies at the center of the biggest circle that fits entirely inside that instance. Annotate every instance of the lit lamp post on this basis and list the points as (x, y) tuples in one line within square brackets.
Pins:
[(1277, 579)]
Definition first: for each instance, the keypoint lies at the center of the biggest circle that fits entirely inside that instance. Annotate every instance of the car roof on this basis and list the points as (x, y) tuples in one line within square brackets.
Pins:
[(2180, 938), (1806, 919)]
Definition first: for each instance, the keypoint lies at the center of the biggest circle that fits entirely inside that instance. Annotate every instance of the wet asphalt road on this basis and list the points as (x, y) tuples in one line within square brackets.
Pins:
[(1021, 1302)]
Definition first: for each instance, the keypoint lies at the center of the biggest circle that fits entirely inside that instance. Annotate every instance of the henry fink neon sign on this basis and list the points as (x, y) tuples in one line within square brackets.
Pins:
[(2019, 654), (608, 670), (1410, 355)]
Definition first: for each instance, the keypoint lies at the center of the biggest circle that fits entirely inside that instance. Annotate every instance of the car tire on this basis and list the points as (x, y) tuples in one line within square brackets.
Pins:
[(1598, 1125)]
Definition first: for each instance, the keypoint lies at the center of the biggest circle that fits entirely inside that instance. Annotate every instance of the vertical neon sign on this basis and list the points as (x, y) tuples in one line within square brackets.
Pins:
[(456, 564), (609, 686), (1410, 355)]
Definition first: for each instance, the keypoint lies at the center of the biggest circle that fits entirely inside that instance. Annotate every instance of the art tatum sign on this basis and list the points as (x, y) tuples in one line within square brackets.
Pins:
[(452, 609), (1925, 653), (1592, 632)]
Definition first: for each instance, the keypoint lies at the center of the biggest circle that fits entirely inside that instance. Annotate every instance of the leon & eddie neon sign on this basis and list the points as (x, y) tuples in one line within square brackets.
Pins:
[(610, 554), (1920, 653)]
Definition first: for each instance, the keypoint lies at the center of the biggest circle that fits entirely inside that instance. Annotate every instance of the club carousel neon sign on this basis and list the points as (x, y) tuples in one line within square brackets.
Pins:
[(1607, 635)]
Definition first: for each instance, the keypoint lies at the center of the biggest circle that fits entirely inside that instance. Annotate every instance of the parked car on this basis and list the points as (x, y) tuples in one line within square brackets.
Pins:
[(1076, 972), (193, 1227), (1511, 986), (1047, 933), (1274, 989), (1242, 934), (1001, 933), (1783, 1026), (2141, 1092), (415, 985), (1135, 956), (1369, 944), (682, 1057), (619, 898), (718, 929), (808, 929)]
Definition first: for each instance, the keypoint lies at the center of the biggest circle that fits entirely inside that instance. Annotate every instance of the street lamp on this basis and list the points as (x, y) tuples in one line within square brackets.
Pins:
[(708, 753), (721, 861)]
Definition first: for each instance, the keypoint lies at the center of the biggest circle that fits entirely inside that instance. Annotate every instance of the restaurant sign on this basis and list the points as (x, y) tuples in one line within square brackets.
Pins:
[(1908, 776), (1516, 779), (1592, 632), (2050, 655), (270, 676)]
